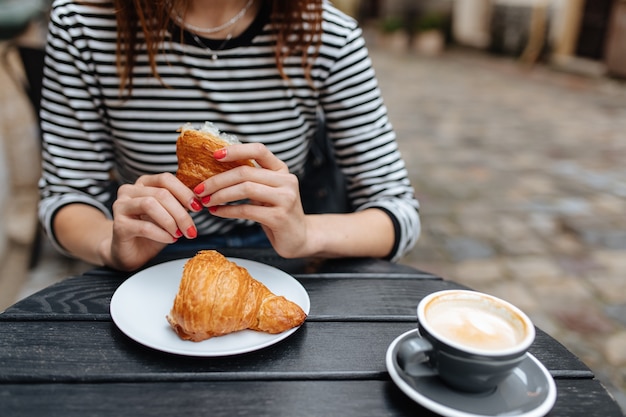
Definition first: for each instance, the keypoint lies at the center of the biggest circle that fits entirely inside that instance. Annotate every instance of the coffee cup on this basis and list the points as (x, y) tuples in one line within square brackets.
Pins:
[(471, 340)]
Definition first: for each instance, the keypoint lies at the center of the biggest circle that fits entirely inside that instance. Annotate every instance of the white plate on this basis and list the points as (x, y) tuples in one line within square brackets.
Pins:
[(528, 392), (139, 307)]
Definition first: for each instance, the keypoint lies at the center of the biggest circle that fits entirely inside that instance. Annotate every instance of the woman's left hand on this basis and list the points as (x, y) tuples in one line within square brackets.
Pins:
[(271, 191)]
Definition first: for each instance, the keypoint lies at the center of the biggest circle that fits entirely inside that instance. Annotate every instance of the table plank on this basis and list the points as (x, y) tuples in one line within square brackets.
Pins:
[(385, 297), (342, 266), (85, 297), (98, 351), (576, 398)]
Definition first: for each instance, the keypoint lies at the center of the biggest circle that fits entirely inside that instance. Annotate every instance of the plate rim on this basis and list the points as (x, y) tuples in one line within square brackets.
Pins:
[(139, 275), (439, 408)]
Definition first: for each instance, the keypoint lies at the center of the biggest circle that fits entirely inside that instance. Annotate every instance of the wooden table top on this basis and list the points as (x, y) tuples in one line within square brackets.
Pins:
[(61, 353)]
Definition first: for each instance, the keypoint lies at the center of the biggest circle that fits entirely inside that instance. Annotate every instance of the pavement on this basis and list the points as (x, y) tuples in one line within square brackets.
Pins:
[(521, 178)]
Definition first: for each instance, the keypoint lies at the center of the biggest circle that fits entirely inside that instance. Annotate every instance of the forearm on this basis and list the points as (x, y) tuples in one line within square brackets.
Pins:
[(365, 233), (85, 232)]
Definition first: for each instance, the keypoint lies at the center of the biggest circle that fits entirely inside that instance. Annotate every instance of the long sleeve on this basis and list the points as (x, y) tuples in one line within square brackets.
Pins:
[(77, 151), (364, 141)]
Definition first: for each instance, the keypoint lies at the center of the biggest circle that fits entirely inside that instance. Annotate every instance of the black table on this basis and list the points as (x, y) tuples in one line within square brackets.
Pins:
[(61, 354)]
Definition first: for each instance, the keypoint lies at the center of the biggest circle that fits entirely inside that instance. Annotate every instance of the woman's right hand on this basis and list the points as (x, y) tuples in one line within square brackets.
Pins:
[(148, 215)]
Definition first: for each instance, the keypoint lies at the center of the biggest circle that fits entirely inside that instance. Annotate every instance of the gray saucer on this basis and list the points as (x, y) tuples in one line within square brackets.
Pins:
[(528, 392)]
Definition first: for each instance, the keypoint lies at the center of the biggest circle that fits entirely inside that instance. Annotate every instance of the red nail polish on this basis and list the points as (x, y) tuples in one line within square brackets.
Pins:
[(196, 205), (192, 232), (206, 200), (220, 153), (213, 209), (178, 233), (199, 188)]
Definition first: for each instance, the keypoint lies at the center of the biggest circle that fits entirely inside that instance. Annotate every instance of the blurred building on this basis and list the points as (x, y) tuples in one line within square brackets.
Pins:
[(566, 32), (570, 33)]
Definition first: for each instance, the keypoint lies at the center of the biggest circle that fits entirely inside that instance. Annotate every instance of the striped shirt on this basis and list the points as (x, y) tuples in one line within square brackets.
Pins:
[(94, 138)]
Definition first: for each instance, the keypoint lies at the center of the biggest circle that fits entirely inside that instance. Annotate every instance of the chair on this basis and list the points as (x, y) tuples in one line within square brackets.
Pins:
[(323, 186), (32, 59)]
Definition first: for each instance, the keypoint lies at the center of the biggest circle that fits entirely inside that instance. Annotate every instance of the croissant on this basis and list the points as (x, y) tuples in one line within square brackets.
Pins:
[(217, 297), (194, 150)]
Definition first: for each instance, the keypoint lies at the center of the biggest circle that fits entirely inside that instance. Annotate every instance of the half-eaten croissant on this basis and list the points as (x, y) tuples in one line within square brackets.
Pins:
[(194, 150), (217, 297)]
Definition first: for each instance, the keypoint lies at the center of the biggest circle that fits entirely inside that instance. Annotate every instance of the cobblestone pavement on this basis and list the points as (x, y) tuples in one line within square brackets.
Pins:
[(522, 182), (521, 179)]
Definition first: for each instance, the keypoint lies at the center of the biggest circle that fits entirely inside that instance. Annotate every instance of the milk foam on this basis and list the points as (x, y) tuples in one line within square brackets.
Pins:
[(474, 324)]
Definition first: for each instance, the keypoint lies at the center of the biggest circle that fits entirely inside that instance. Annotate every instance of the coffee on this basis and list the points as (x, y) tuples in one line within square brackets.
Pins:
[(474, 323), (471, 340)]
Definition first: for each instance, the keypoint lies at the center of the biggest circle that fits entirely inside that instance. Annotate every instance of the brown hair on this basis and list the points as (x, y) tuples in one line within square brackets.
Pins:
[(297, 25)]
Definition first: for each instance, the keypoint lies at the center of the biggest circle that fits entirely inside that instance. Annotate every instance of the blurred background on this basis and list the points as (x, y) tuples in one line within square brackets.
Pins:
[(511, 115)]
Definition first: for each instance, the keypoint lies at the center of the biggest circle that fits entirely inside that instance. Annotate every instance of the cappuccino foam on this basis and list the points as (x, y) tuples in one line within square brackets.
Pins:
[(475, 324)]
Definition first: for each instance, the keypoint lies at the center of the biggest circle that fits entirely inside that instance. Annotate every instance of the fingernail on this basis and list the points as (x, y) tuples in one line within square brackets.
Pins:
[(206, 200), (213, 209), (192, 232), (178, 233), (199, 188), (220, 153), (196, 205)]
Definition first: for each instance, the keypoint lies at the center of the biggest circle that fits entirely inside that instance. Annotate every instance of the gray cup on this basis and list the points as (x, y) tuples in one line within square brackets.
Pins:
[(471, 340)]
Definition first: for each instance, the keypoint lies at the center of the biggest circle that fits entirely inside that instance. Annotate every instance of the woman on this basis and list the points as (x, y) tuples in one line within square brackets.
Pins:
[(122, 77)]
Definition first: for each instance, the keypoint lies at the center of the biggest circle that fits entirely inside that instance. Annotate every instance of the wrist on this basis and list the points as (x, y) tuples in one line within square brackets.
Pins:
[(314, 239), (103, 253)]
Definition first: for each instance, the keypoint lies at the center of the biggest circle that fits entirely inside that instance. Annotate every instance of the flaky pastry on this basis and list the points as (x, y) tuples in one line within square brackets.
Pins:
[(218, 297), (194, 150)]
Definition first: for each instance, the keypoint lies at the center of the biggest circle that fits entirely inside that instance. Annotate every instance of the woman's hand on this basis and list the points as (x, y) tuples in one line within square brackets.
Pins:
[(272, 192), (148, 215)]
